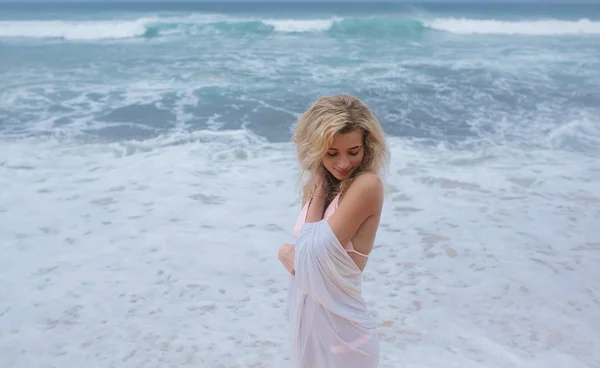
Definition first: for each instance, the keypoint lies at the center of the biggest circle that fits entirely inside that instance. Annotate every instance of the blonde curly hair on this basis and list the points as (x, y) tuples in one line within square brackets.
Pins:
[(315, 131)]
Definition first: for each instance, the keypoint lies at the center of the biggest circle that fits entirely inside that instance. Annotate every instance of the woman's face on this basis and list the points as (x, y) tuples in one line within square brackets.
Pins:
[(345, 154)]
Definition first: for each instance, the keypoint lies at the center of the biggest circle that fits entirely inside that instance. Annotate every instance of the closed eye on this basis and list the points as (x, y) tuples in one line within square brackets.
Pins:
[(330, 154), (351, 153), (356, 151)]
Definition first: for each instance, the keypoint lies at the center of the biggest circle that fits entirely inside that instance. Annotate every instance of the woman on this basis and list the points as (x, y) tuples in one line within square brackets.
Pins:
[(342, 146)]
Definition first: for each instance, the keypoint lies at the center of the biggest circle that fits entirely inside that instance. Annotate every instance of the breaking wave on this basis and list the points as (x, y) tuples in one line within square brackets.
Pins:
[(151, 27)]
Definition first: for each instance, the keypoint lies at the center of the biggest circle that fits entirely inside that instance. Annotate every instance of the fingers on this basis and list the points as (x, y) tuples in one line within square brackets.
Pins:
[(286, 256)]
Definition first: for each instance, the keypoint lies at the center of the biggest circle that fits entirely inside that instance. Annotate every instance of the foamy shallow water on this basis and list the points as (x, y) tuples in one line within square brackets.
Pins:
[(163, 254), (147, 180)]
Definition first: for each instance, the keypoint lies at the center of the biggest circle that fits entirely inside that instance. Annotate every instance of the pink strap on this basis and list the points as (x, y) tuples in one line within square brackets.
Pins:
[(352, 250)]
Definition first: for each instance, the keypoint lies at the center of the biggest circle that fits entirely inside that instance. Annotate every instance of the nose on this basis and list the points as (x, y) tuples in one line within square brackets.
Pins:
[(344, 163)]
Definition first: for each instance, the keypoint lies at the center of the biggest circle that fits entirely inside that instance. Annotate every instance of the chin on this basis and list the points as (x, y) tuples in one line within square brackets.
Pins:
[(343, 176)]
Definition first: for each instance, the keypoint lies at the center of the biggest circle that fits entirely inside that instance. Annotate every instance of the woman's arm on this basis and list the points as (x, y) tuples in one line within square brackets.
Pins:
[(317, 201), (316, 208), (314, 213), (362, 200)]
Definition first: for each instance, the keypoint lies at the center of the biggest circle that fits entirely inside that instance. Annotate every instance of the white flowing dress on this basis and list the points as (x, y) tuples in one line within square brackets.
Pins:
[(330, 323)]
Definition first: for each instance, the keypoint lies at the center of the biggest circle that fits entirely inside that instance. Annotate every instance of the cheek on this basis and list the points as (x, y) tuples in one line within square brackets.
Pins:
[(356, 160), (328, 162)]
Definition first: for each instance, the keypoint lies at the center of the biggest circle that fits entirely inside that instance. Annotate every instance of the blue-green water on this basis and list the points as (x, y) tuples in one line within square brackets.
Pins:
[(147, 179), (428, 69)]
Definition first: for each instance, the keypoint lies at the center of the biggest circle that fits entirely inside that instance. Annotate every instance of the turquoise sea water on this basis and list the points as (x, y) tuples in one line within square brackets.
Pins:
[(430, 70), (147, 179)]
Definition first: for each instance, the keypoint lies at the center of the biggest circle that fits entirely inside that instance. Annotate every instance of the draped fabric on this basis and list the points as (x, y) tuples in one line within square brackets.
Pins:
[(331, 326)]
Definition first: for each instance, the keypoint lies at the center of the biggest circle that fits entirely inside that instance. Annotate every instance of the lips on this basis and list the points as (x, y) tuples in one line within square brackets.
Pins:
[(342, 173)]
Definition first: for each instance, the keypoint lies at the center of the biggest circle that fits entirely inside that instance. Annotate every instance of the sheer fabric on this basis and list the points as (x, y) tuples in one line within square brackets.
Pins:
[(331, 326)]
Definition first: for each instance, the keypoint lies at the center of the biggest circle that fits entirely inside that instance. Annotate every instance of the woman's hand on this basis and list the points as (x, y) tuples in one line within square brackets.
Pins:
[(321, 183), (286, 256)]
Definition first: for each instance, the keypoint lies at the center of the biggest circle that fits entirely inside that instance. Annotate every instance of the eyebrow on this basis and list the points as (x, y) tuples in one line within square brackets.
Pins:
[(335, 149)]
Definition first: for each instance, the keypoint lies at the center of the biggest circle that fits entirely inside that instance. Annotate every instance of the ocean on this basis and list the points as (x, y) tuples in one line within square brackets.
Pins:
[(147, 179)]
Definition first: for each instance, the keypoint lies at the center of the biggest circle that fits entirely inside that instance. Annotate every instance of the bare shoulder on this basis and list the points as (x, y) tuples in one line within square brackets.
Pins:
[(362, 200), (368, 180), (368, 189)]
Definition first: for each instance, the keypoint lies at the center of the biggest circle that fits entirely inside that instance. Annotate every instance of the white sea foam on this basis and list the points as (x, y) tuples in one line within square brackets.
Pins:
[(163, 252), (547, 27), (74, 30), (120, 29), (87, 30)]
